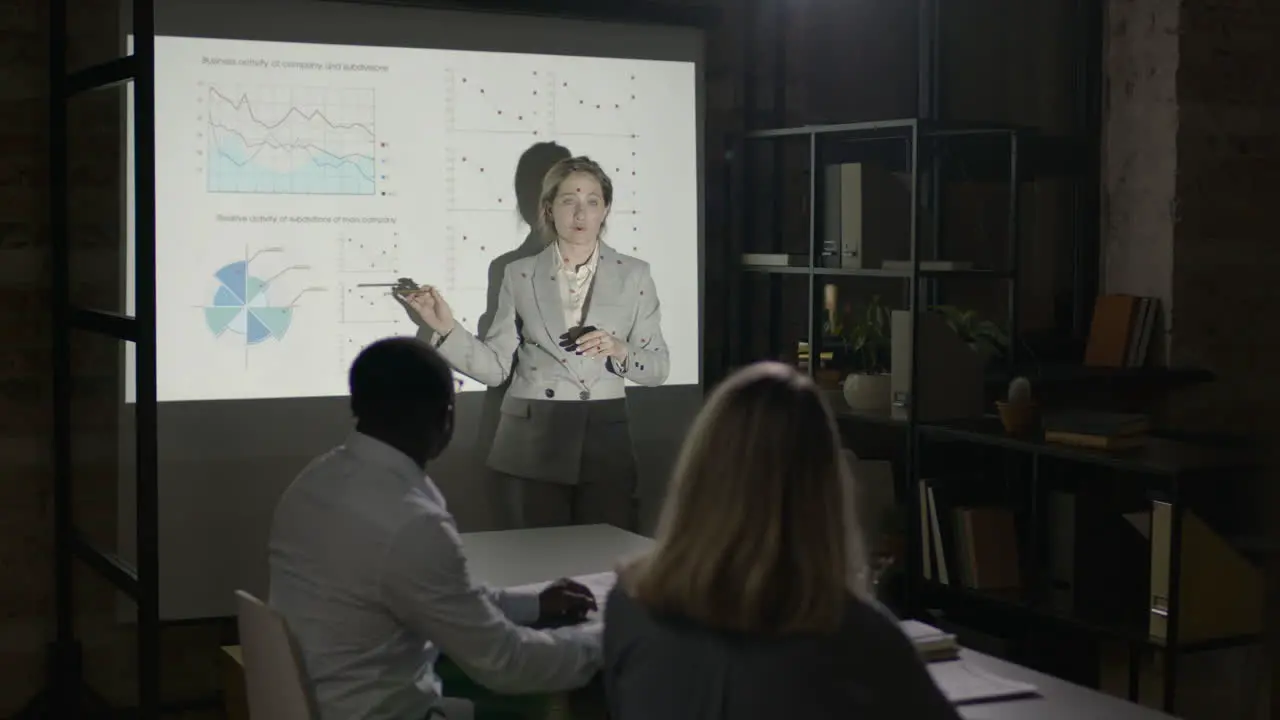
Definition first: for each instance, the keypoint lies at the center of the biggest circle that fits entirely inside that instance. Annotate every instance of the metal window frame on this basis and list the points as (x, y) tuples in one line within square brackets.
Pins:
[(66, 694)]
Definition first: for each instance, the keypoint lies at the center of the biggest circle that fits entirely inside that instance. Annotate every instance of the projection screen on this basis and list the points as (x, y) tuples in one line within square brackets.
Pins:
[(308, 153)]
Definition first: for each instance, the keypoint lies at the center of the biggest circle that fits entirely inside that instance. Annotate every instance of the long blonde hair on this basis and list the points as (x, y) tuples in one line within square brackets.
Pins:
[(556, 175), (753, 536)]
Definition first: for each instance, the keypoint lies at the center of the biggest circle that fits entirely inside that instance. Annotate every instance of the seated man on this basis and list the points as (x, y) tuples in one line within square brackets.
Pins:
[(368, 570)]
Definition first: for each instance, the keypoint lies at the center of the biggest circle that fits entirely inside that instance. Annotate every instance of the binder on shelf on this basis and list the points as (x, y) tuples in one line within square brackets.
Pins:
[(950, 372), (771, 260), (1220, 592), (867, 214)]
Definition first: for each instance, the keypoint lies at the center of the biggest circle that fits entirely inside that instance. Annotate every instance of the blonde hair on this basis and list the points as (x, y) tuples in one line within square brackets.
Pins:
[(551, 188), (754, 536)]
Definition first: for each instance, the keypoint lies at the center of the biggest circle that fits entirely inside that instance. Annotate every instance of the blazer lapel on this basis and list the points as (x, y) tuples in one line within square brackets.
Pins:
[(606, 287), (546, 292)]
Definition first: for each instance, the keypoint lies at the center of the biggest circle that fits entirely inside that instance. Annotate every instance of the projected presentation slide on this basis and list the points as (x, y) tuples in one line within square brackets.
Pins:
[(295, 183)]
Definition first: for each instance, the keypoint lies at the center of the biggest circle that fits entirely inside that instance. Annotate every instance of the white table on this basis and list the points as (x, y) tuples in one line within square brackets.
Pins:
[(520, 557)]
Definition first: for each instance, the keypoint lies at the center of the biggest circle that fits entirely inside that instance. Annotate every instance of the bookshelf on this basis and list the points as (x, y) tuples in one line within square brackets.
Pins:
[(791, 238), (781, 238)]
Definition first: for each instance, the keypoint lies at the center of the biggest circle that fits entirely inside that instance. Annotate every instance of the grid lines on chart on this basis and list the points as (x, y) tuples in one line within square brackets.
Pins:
[(270, 139)]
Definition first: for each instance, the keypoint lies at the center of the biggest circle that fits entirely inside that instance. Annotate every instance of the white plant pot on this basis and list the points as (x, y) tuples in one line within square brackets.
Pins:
[(868, 392)]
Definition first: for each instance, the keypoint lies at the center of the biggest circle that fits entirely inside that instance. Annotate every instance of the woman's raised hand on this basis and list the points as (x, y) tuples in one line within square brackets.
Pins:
[(430, 305)]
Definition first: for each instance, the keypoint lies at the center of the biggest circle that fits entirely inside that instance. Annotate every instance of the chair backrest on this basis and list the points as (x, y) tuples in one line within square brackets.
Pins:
[(275, 681)]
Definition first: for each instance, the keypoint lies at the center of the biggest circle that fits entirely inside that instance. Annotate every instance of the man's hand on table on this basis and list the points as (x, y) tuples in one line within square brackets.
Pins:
[(565, 601)]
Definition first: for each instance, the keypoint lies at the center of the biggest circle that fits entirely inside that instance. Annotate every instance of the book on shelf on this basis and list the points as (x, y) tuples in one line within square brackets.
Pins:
[(1097, 430), (974, 544), (934, 645), (928, 265), (1122, 331), (767, 260)]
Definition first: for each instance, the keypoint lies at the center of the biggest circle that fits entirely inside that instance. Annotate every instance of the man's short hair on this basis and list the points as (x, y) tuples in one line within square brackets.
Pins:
[(399, 380)]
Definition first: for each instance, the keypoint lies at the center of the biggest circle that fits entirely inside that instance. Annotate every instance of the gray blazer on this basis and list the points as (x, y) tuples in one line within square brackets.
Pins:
[(536, 439)]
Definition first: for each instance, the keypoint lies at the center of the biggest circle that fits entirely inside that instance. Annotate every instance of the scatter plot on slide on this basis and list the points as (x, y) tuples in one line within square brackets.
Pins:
[(496, 102), (370, 305), (356, 338), (480, 176), (623, 233), (601, 103), (469, 306), (290, 140), (472, 248), (369, 252), (617, 157)]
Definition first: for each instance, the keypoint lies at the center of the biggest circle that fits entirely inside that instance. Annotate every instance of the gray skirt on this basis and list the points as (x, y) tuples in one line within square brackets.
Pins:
[(568, 442)]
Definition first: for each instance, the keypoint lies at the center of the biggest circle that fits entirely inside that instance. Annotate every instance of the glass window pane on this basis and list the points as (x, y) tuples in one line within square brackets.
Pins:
[(102, 482), (100, 179), (107, 627), (103, 442), (97, 32)]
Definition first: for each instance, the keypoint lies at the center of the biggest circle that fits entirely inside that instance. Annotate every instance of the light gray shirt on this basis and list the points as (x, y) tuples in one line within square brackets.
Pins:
[(368, 570)]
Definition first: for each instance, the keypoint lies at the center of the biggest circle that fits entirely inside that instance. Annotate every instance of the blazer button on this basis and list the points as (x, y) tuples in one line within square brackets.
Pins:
[(584, 395), (551, 393)]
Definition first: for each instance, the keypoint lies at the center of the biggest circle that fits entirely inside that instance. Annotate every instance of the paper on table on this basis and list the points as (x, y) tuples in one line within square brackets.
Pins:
[(962, 682), (598, 583)]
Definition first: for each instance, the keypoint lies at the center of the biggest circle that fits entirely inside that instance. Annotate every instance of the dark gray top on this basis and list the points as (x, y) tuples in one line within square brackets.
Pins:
[(674, 669)]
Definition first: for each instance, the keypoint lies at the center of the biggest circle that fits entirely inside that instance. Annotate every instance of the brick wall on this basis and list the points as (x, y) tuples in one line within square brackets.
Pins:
[(1193, 170), (25, 486), (1224, 261), (1140, 148)]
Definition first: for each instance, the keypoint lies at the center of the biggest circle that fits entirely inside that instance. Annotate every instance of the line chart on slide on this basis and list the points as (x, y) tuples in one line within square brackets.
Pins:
[(246, 303), (284, 140)]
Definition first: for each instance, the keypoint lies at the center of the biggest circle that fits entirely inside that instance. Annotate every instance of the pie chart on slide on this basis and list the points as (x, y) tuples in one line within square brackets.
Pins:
[(241, 305)]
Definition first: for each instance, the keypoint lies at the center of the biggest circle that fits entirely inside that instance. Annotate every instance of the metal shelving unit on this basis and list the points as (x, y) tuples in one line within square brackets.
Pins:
[(1169, 470), (921, 145)]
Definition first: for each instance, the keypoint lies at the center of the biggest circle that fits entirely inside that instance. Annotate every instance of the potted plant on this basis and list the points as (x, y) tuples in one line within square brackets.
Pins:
[(1018, 409), (868, 387), (985, 337)]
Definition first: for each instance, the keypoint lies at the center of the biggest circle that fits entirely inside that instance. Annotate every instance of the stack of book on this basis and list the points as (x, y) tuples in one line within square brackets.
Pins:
[(933, 644), (1097, 430), (1122, 332)]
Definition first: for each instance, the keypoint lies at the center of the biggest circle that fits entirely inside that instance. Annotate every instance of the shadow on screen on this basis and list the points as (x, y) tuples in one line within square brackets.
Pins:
[(530, 169)]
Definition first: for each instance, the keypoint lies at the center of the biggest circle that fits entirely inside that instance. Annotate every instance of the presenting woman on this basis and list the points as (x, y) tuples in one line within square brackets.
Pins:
[(573, 323)]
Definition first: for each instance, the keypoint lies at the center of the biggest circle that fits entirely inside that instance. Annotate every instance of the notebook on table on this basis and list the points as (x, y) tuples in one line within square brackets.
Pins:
[(932, 644)]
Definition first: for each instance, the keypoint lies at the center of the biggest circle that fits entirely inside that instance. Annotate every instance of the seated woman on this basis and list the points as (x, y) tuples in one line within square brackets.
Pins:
[(754, 602)]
